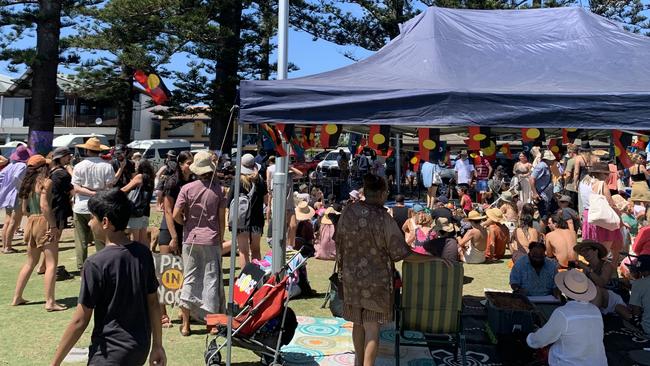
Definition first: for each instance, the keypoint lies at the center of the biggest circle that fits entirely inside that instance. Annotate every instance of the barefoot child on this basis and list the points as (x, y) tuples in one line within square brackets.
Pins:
[(119, 285)]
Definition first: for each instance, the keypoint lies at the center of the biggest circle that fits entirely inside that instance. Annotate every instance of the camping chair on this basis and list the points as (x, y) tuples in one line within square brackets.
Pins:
[(431, 303)]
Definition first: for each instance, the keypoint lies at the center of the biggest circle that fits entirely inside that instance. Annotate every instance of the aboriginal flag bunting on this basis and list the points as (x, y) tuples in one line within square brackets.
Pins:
[(308, 137), (569, 135), (429, 141), (329, 135), (478, 138), (535, 135), (621, 141), (505, 150), (153, 85), (379, 138), (555, 147), (274, 138)]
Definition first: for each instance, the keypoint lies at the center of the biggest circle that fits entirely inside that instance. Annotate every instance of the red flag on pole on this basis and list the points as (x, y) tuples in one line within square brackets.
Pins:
[(153, 85), (379, 138), (621, 141)]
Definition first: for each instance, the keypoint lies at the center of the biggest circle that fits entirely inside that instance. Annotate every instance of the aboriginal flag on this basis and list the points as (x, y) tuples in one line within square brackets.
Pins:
[(621, 141), (273, 136), (379, 138), (505, 150), (429, 141), (569, 135), (555, 147), (308, 137), (329, 135), (479, 138), (153, 85), (535, 135)]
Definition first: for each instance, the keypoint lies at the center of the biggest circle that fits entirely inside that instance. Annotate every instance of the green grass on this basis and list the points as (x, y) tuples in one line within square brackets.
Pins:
[(29, 335)]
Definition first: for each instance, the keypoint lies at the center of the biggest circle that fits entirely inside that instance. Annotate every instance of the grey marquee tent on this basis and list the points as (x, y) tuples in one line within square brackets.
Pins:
[(553, 68)]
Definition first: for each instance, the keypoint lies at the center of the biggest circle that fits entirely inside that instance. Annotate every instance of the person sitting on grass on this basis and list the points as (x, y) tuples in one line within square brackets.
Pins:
[(533, 274), (575, 330), (118, 285)]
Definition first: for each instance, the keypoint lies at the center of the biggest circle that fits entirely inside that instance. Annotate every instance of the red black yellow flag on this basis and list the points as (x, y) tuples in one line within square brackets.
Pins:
[(621, 141), (641, 142), (429, 141), (479, 138), (153, 85), (275, 137), (308, 137), (329, 135), (569, 135), (555, 147), (415, 162), (533, 135), (505, 150), (379, 138)]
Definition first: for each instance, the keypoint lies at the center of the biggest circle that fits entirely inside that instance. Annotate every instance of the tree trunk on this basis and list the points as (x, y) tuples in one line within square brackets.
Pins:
[(226, 79), (125, 108), (44, 68), (266, 11)]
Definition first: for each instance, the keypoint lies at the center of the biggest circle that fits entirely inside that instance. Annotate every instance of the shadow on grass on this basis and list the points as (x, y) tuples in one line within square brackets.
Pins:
[(63, 249), (70, 302), (467, 279)]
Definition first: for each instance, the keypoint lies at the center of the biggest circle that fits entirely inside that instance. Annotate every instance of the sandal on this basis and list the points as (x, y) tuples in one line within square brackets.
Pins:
[(166, 322)]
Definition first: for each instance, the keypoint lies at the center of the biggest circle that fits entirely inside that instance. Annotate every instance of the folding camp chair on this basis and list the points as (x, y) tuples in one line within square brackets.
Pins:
[(430, 302)]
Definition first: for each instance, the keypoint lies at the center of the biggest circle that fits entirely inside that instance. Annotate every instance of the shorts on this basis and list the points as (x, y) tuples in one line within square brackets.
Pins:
[(359, 315), (482, 186), (258, 230), (613, 300), (36, 231), (137, 223)]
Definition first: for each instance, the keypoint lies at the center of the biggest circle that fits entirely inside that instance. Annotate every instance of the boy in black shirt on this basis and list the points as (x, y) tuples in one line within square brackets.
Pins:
[(112, 284)]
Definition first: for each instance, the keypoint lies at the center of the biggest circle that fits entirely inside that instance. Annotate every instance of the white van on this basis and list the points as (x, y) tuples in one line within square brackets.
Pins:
[(156, 150), (71, 141), (7, 149)]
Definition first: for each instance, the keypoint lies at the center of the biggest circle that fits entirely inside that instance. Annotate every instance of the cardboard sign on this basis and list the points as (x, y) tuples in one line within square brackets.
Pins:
[(169, 271)]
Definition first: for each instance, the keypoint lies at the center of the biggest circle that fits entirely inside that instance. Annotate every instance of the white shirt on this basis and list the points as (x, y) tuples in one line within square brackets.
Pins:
[(576, 331), (92, 173), (464, 168)]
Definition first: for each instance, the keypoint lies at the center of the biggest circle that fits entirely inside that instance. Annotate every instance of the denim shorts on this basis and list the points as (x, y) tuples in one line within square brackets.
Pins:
[(482, 186)]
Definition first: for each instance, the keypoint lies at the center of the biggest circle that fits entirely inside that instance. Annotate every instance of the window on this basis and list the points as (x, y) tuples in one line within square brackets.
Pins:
[(146, 154)]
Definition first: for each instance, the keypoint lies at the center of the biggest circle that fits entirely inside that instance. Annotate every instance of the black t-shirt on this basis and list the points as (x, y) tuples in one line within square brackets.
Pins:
[(115, 283), (61, 199), (171, 189), (127, 173)]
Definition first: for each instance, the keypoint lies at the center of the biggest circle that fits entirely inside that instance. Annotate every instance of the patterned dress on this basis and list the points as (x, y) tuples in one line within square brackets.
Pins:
[(368, 243)]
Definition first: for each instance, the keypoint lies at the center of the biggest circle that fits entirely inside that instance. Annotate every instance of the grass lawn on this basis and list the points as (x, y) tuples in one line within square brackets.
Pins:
[(29, 335)]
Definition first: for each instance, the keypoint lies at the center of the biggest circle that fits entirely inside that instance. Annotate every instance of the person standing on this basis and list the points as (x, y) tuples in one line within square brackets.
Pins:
[(483, 175), (201, 210), (570, 186), (368, 243), (140, 191), (90, 176), (62, 188), (522, 170), (599, 172), (119, 286), (41, 233), (574, 330), (431, 180), (464, 170), (11, 178), (541, 183), (123, 167)]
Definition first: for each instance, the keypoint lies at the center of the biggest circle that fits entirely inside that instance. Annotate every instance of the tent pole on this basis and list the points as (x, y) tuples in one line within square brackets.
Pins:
[(398, 164), (282, 164), (233, 248)]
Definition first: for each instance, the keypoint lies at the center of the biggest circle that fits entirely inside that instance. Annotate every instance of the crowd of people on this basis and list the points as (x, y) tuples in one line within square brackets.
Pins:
[(554, 215)]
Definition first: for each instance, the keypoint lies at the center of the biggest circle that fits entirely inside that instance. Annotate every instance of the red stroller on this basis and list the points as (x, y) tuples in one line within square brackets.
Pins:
[(265, 323)]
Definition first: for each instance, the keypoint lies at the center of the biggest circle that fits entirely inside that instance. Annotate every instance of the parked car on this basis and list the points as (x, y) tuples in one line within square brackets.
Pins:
[(330, 165), (7, 149), (156, 150), (305, 166)]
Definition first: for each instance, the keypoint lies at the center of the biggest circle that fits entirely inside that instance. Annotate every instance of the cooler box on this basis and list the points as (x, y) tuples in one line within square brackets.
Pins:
[(509, 313)]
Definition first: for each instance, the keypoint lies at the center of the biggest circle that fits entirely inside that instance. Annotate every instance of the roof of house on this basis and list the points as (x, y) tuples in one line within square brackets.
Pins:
[(6, 82)]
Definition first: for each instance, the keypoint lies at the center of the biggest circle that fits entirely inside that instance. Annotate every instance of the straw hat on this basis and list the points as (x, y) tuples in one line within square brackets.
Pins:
[(248, 164), (303, 211), (495, 214), (203, 163), (576, 285), (619, 201), (599, 167), (590, 244), (21, 154), (475, 216), (326, 216), (548, 155), (600, 152), (443, 224), (93, 144)]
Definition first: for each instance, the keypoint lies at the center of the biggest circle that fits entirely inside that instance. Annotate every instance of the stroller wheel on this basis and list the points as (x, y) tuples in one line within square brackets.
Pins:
[(212, 355), (268, 361)]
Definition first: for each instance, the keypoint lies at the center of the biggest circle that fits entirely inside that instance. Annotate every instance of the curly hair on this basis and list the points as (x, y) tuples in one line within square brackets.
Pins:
[(33, 176)]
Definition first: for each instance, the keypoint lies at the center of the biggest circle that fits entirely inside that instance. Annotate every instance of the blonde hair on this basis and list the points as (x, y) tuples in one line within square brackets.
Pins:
[(423, 219), (247, 180)]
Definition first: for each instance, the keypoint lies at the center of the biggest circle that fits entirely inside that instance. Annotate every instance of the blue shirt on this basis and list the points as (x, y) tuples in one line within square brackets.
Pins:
[(524, 275), (542, 176), (427, 170)]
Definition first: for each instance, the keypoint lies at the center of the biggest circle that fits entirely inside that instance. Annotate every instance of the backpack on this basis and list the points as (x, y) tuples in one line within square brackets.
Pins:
[(243, 208), (140, 200)]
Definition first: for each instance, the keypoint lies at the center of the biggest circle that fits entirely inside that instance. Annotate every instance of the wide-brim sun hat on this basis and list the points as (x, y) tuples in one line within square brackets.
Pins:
[(202, 163), (93, 144), (248, 164), (548, 155), (619, 202), (575, 285), (443, 224), (304, 211), (506, 196), (21, 154), (495, 215), (590, 244), (327, 220), (475, 216)]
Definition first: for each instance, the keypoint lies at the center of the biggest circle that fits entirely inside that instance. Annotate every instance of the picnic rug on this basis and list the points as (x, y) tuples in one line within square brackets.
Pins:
[(328, 341)]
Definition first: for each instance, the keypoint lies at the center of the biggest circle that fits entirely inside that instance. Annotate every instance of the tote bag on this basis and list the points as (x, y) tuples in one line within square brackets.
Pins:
[(601, 213)]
